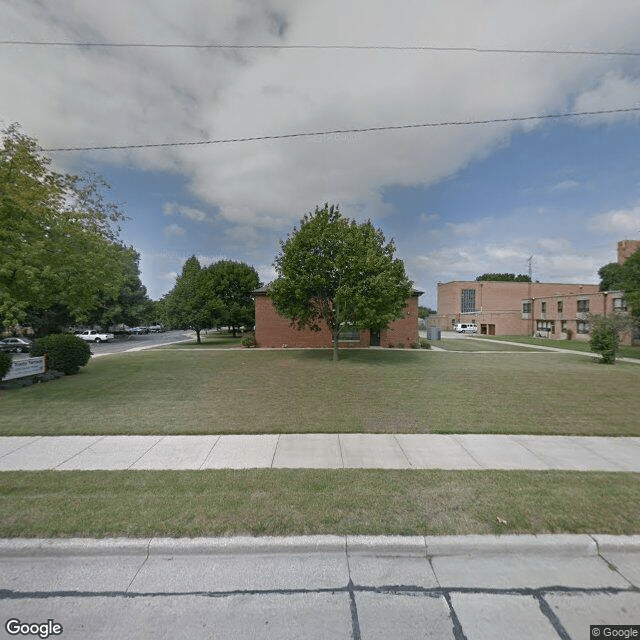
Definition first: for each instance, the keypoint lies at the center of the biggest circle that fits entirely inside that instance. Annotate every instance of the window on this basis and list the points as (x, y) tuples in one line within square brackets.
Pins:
[(583, 327), (560, 305), (619, 304), (543, 307), (546, 326), (349, 334), (583, 307), (526, 307), (468, 301)]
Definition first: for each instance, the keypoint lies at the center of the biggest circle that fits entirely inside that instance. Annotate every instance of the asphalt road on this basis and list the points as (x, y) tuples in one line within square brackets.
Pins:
[(131, 343), (139, 342)]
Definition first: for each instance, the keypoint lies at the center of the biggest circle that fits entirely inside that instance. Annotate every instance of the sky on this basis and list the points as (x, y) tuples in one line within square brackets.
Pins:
[(458, 200)]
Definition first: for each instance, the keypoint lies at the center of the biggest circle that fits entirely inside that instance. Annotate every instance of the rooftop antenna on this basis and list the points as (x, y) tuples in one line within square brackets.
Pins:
[(530, 260)]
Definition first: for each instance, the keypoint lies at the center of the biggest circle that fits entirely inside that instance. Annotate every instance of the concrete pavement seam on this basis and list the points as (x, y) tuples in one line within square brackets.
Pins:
[(612, 566), (31, 440), (77, 453), (455, 438), (404, 453), (213, 446), (533, 453), (341, 453), (596, 453), (160, 438), (550, 615), (140, 567), (275, 450)]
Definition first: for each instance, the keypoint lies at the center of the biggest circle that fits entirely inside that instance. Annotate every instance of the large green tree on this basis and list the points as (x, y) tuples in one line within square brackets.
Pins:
[(624, 277), (335, 272), (231, 284), (190, 305), (58, 237)]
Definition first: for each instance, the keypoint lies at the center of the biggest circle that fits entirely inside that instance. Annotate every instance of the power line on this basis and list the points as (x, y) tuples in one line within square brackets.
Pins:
[(365, 47), (344, 131)]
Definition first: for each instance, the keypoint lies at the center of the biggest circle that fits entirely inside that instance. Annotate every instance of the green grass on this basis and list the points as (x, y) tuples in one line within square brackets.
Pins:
[(251, 391), (278, 502), (624, 351), (464, 345), (213, 340)]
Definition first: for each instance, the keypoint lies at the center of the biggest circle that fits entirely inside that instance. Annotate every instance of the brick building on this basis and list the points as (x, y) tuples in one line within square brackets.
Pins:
[(273, 330), (552, 310)]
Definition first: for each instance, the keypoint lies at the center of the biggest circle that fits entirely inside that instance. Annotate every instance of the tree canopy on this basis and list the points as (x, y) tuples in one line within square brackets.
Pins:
[(624, 277), (335, 272), (218, 295), (59, 248), (503, 277), (231, 284)]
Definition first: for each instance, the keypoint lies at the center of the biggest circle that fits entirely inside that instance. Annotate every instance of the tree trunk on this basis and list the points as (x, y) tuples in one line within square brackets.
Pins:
[(198, 336), (335, 346)]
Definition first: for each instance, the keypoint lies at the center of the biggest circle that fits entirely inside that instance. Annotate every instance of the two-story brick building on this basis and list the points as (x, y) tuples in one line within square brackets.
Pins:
[(553, 310), (275, 331)]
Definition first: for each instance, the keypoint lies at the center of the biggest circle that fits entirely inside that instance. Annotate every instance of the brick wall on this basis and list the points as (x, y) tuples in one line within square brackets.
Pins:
[(272, 330), (626, 248), (556, 309)]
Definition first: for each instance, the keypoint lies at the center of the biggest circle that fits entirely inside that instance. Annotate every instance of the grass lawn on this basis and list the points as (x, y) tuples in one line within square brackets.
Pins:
[(212, 340), (571, 345), (204, 391), (463, 345), (279, 502)]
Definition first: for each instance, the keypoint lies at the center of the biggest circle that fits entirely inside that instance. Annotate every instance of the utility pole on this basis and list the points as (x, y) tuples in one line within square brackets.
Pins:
[(529, 294)]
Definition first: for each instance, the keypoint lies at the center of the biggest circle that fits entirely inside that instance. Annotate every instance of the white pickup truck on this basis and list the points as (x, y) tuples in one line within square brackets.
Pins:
[(95, 336)]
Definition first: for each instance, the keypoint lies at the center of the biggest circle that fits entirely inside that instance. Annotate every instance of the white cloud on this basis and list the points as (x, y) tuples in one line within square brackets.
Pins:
[(618, 221), (173, 231), (613, 90), (564, 185), (463, 229), (93, 96), (255, 190), (171, 208)]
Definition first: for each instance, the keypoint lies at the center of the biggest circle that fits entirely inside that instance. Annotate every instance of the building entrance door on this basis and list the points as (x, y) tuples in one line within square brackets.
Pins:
[(375, 338)]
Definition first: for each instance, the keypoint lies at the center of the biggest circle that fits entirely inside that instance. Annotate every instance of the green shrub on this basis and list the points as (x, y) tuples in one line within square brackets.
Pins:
[(66, 353), (424, 343), (5, 364), (604, 338), (249, 341)]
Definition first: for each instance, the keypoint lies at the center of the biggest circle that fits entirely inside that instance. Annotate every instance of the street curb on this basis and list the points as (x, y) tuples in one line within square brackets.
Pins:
[(387, 545), (247, 545), (29, 547), (548, 544), (608, 543), (580, 545)]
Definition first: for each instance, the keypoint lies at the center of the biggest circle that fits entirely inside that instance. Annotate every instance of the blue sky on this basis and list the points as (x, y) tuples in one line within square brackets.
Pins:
[(459, 201)]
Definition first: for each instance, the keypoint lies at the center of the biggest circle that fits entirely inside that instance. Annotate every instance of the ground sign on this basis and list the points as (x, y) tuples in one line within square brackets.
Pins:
[(25, 367)]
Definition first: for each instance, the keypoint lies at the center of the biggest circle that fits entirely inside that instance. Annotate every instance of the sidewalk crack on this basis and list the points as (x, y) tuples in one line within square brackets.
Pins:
[(140, 567), (273, 459)]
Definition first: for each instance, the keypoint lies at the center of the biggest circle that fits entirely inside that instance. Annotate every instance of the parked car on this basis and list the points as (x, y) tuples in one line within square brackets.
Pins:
[(156, 328), (18, 345), (466, 327), (139, 330), (95, 336)]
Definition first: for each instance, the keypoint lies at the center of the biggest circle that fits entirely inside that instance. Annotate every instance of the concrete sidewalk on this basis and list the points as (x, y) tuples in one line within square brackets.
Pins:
[(365, 588), (320, 451)]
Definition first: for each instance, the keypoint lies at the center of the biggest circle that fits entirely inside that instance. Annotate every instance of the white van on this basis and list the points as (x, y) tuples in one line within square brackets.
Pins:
[(466, 327)]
